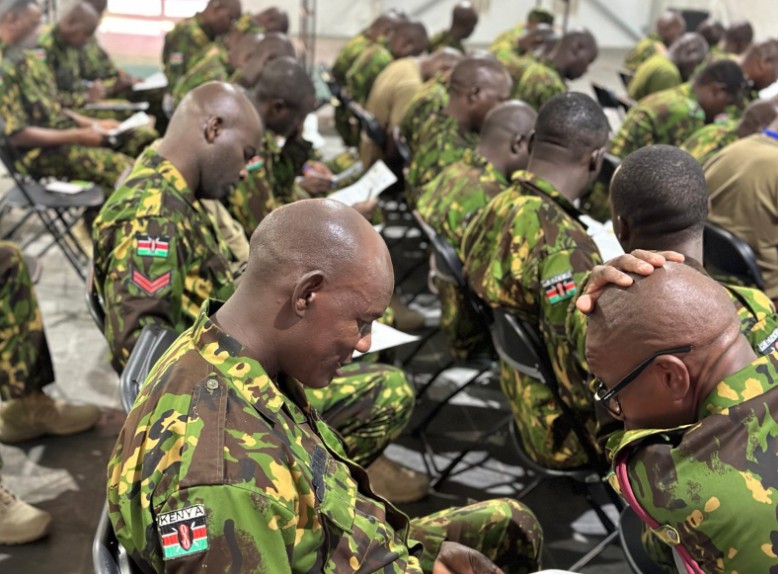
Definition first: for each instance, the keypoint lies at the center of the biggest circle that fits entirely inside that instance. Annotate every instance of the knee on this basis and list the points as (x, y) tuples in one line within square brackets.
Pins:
[(520, 524), (396, 392)]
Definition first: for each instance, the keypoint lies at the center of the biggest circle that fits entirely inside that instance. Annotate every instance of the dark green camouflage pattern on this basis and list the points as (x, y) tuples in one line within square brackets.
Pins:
[(211, 65), (654, 75), (506, 45), (539, 83), (365, 69), (710, 140), (347, 127), (425, 109), (182, 45), (643, 50)]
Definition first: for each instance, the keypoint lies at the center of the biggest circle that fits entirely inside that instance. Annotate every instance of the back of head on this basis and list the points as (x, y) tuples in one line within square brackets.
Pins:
[(687, 52), (464, 20), (285, 87), (79, 23), (712, 30), (760, 63), (506, 121), (273, 19), (725, 73), (574, 53), (659, 192), (757, 117), (13, 9), (441, 61), (408, 39), (481, 71), (670, 25), (265, 48), (384, 24), (540, 16), (571, 121), (738, 37)]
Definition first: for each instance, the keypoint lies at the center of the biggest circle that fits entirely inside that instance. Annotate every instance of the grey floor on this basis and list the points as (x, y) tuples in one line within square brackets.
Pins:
[(66, 476)]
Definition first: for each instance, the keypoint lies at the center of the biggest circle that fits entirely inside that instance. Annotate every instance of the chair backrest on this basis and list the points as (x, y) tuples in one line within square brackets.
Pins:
[(153, 341), (725, 253), (626, 77), (610, 163), (108, 556), (403, 150), (631, 538), (606, 97), (93, 300), (368, 124)]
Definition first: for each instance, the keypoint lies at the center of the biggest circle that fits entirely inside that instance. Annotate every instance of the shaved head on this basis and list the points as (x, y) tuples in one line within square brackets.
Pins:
[(264, 49), (384, 24), (439, 61), (687, 52), (273, 19), (475, 87), (670, 25), (78, 24), (507, 120), (712, 30), (738, 37), (284, 94), (464, 20), (408, 39), (757, 116), (760, 64), (477, 71), (574, 53)]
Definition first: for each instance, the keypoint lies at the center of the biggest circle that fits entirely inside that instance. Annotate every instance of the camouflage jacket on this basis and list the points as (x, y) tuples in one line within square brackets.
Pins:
[(211, 65), (526, 253), (158, 255), (643, 50), (654, 75), (516, 66), (425, 108), (182, 45), (667, 117), (96, 63), (539, 83), (445, 40), (710, 140), (65, 64), (708, 489), (247, 25), (442, 144), (457, 194), (506, 44), (365, 69), (247, 459), (347, 56)]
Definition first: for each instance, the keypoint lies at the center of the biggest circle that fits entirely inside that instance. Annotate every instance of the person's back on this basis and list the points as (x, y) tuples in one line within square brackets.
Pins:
[(657, 73), (669, 27), (426, 106)]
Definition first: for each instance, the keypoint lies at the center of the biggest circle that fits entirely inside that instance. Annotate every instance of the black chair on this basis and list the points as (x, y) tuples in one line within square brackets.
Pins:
[(608, 99), (368, 124), (403, 150), (610, 163), (56, 211), (94, 302), (630, 533), (626, 77), (108, 556), (152, 343), (726, 254)]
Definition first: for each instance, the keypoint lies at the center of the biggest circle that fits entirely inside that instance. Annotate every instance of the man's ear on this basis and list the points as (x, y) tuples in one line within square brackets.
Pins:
[(674, 376), (517, 143), (621, 229), (530, 141), (213, 129), (595, 160), (305, 292), (472, 95)]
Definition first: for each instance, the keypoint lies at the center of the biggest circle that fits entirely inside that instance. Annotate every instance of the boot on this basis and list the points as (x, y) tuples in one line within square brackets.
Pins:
[(38, 414), (20, 522), (395, 483)]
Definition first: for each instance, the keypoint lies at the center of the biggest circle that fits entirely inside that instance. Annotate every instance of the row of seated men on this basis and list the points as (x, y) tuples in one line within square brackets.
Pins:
[(307, 297)]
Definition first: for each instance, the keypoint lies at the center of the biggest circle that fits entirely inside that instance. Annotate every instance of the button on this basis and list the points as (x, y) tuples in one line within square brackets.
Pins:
[(672, 535), (212, 384)]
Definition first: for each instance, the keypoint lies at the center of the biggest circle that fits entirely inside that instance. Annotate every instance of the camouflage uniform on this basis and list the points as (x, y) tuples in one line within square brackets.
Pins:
[(506, 45), (25, 362), (268, 482), (347, 129), (365, 69), (654, 75), (247, 25), (448, 203), (445, 40), (441, 144), (526, 253), (539, 83), (252, 199), (96, 64), (708, 489), (28, 99), (182, 45), (710, 140), (212, 65), (643, 50), (667, 117), (516, 66), (426, 107)]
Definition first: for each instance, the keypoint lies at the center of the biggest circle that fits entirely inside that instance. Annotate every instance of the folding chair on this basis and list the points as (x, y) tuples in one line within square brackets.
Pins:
[(609, 165), (152, 343), (368, 124), (607, 98), (520, 345), (94, 302), (727, 254), (108, 556), (626, 77), (56, 211), (630, 536)]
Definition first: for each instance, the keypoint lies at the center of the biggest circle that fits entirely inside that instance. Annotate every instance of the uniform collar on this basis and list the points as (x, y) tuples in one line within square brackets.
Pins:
[(170, 174), (751, 381), (490, 173), (544, 188)]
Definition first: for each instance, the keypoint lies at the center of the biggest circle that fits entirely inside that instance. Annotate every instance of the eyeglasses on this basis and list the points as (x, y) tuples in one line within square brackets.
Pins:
[(610, 397)]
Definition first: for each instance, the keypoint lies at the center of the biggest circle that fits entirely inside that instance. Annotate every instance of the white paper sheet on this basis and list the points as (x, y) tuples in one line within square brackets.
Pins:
[(66, 187), (603, 236), (154, 82), (377, 179), (136, 120), (386, 337)]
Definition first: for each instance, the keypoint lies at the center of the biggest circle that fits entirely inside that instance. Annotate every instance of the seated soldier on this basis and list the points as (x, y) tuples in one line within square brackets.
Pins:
[(464, 19), (538, 43), (476, 86), (696, 460), (669, 27), (283, 495), (392, 93), (526, 252), (190, 36), (50, 141), (272, 19), (507, 43), (426, 105), (458, 194), (760, 67), (569, 59), (738, 38), (709, 140), (26, 411), (671, 116), (665, 71), (713, 31)]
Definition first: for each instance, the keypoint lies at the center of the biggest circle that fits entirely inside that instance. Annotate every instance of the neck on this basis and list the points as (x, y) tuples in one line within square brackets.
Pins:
[(456, 112), (690, 248), (491, 155), (182, 160), (564, 177), (738, 355)]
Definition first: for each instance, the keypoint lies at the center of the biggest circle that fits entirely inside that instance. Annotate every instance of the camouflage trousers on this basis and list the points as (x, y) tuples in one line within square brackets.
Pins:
[(25, 362), (463, 332), (100, 165), (369, 406), (505, 531)]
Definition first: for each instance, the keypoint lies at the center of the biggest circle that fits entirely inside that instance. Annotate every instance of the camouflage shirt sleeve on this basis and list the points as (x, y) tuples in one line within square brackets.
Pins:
[(14, 116), (636, 132), (365, 70)]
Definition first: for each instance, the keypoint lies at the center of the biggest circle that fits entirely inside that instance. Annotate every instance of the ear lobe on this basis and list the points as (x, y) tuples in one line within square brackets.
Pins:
[(306, 291), (213, 129), (674, 376)]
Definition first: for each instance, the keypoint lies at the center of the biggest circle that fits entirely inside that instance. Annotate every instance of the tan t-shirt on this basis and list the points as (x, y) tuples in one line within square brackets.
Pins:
[(743, 187)]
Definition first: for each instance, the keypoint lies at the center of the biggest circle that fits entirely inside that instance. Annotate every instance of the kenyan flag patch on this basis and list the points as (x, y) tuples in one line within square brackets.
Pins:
[(153, 246), (183, 532), (559, 287)]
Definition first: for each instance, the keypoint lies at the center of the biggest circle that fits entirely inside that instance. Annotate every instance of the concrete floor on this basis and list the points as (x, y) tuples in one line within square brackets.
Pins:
[(66, 476)]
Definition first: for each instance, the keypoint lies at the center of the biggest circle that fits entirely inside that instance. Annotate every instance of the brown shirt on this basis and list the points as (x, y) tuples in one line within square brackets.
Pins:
[(743, 186)]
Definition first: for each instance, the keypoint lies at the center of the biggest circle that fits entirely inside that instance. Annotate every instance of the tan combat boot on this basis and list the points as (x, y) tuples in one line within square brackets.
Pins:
[(396, 483), (20, 522), (38, 414)]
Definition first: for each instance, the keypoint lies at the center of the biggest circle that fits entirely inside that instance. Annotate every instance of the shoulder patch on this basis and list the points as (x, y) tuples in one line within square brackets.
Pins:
[(559, 287), (40, 54), (769, 344), (176, 58), (150, 286), (149, 246), (183, 532)]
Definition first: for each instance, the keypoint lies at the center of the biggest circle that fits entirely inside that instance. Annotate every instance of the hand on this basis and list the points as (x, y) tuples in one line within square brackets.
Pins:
[(367, 208), (89, 137), (317, 168), (455, 558), (316, 185), (95, 92), (614, 272), (107, 125)]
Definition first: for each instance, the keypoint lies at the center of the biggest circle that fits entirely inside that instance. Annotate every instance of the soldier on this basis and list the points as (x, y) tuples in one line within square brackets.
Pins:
[(668, 354), (568, 60), (738, 38), (463, 188), (300, 504), (407, 39), (393, 91), (526, 252), (713, 31), (190, 36), (50, 141), (711, 139), (476, 86), (760, 67), (671, 116), (271, 19), (539, 42), (665, 71), (669, 27), (464, 19), (507, 43), (426, 106), (26, 411)]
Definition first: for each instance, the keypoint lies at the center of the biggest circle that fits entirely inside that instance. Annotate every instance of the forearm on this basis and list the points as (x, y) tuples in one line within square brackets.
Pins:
[(45, 137)]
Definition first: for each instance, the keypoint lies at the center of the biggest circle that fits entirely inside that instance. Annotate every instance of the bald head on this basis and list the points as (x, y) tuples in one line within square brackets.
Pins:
[(464, 20), (440, 62), (688, 52), (574, 53), (284, 94), (738, 37), (757, 117), (506, 121), (408, 39), (273, 19), (384, 24), (670, 25), (760, 64), (477, 71), (712, 30), (78, 24), (264, 49), (475, 87)]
